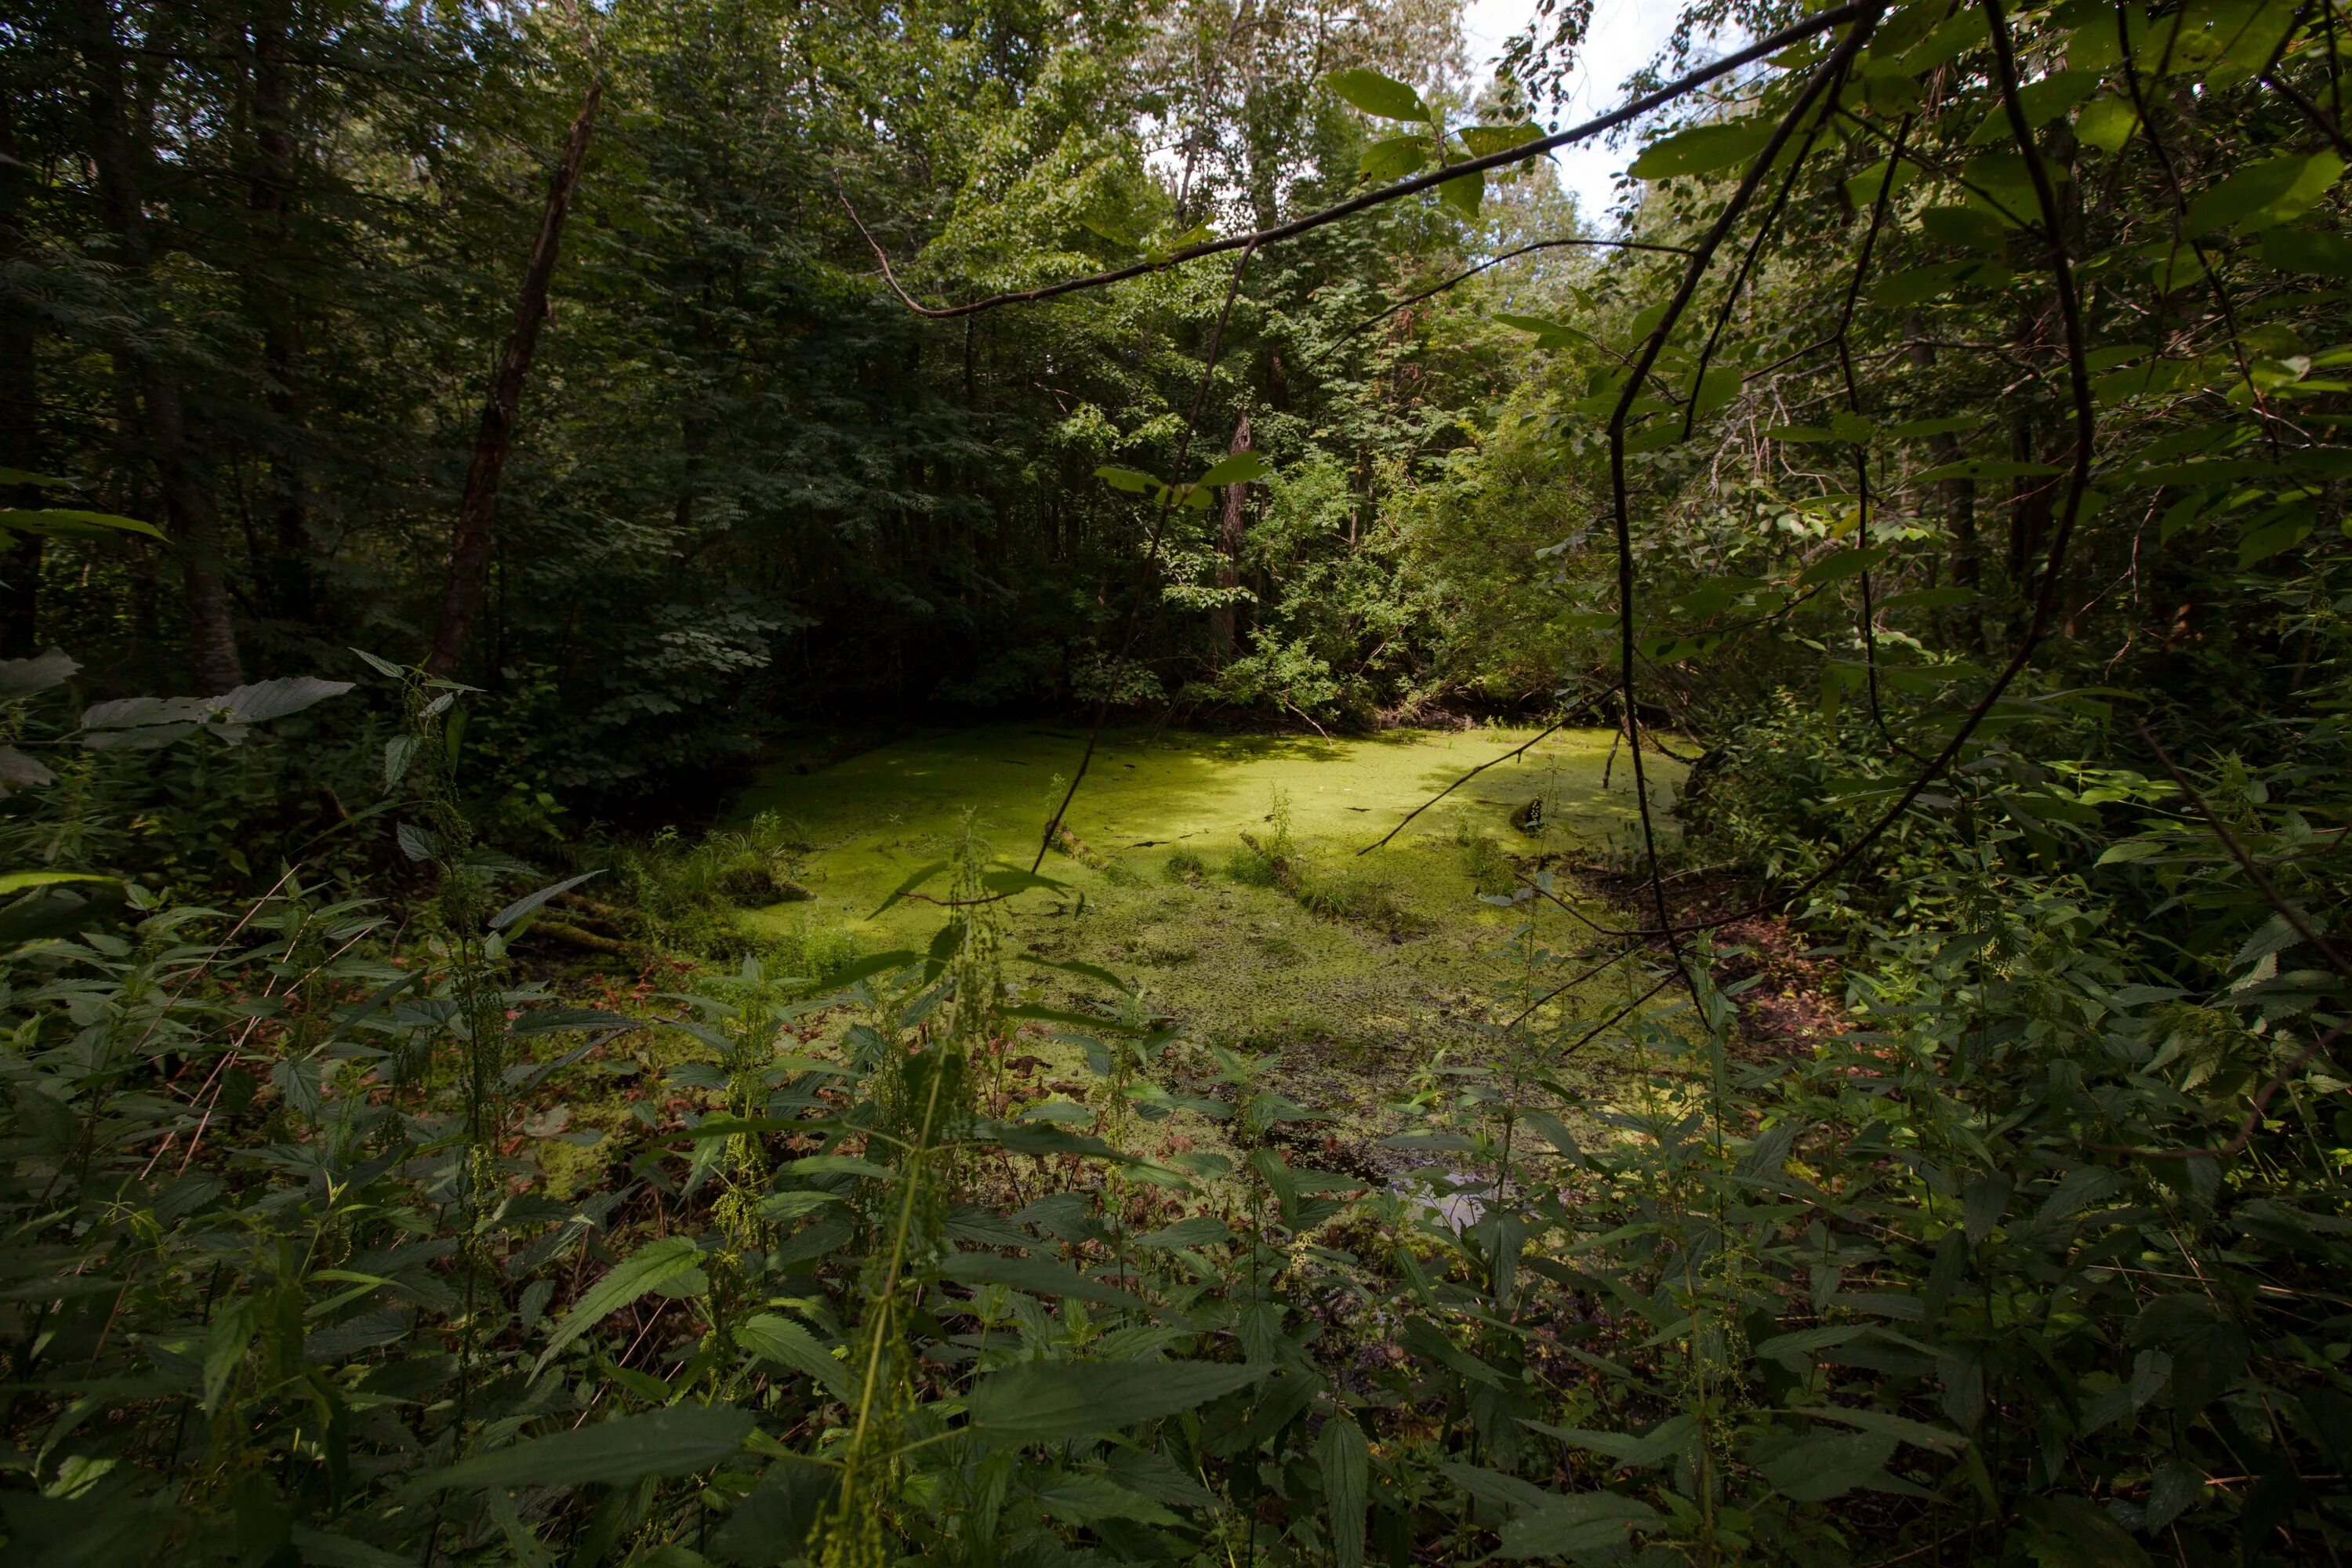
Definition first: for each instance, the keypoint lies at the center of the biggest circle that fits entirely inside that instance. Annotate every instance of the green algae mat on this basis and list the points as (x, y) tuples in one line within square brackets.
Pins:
[(1388, 961)]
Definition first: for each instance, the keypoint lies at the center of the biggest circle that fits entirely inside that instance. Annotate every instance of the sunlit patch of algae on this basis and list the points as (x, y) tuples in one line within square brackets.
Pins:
[(1351, 1004)]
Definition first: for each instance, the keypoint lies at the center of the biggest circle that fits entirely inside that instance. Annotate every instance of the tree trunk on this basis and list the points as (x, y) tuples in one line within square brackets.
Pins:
[(20, 408), (269, 196), (469, 550), (187, 507), (1224, 619), (1959, 505)]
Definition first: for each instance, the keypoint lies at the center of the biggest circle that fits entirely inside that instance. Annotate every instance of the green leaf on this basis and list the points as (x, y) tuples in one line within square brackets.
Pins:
[(646, 1269), (1702, 148), (1044, 1401), (1843, 564), (1344, 1459), (1037, 1276), (776, 1338), (772, 1525), (2308, 251), (2106, 123), (1485, 141), (673, 1442), (69, 521), (2043, 101), (30, 676), (2075, 1532), (1082, 1497), (17, 882), (2264, 194), (1901, 1428), (1816, 1469), (1395, 157), (1594, 1522), (1374, 93), (1128, 480), (530, 901), (1238, 469), (1463, 192)]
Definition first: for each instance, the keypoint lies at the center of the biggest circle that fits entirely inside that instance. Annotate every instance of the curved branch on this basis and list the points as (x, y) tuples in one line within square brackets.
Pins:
[(1762, 48), (1459, 277)]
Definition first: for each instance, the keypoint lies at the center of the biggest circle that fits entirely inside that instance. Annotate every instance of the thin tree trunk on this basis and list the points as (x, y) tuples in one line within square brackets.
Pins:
[(269, 187), (469, 550), (187, 508), (20, 432), (1959, 505), (1224, 618)]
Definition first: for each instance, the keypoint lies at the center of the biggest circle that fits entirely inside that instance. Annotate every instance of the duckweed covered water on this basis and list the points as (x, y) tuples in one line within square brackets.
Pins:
[(1390, 969)]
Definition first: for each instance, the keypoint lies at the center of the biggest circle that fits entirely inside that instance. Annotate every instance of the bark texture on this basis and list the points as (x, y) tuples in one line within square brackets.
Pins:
[(470, 548)]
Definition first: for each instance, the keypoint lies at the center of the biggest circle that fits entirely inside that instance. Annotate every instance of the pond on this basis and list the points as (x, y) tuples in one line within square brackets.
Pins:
[(1360, 973)]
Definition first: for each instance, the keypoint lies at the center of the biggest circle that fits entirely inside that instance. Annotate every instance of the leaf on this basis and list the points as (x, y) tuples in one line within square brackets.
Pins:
[(381, 666), (2075, 1532), (646, 1269), (1844, 563), (921, 876), (69, 521), (1344, 1459), (2042, 101), (1594, 1522), (1901, 1428), (17, 882), (1394, 157), (774, 1524), (1082, 1497), (1817, 1469), (414, 842), (1239, 469), (2106, 123), (1128, 480), (554, 1020), (1044, 1402), (529, 902), (1375, 93), (776, 1338), (2264, 194), (276, 699), (329, 1550), (1662, 1442), (1463, 192), (1485, 141), (673, 1442), (27, 676), (1037, 1276), (1702, 148), (2308, 251)]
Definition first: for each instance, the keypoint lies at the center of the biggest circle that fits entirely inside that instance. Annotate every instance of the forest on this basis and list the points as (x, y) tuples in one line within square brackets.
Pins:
[(1048, 783)]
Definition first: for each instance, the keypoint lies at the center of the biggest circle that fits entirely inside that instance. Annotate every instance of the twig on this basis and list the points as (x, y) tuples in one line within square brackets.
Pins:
[(1457, 784)]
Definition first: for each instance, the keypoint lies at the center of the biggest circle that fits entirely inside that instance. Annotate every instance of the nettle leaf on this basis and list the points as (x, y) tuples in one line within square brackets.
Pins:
[(647, 1270), (1344, 1459), (1044, 1401), (673, 1442), (1375, 93), (1702, 149), (1816, 1469), (1594, 1523), (1128, 479), (530, 901), (776, 1338)]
